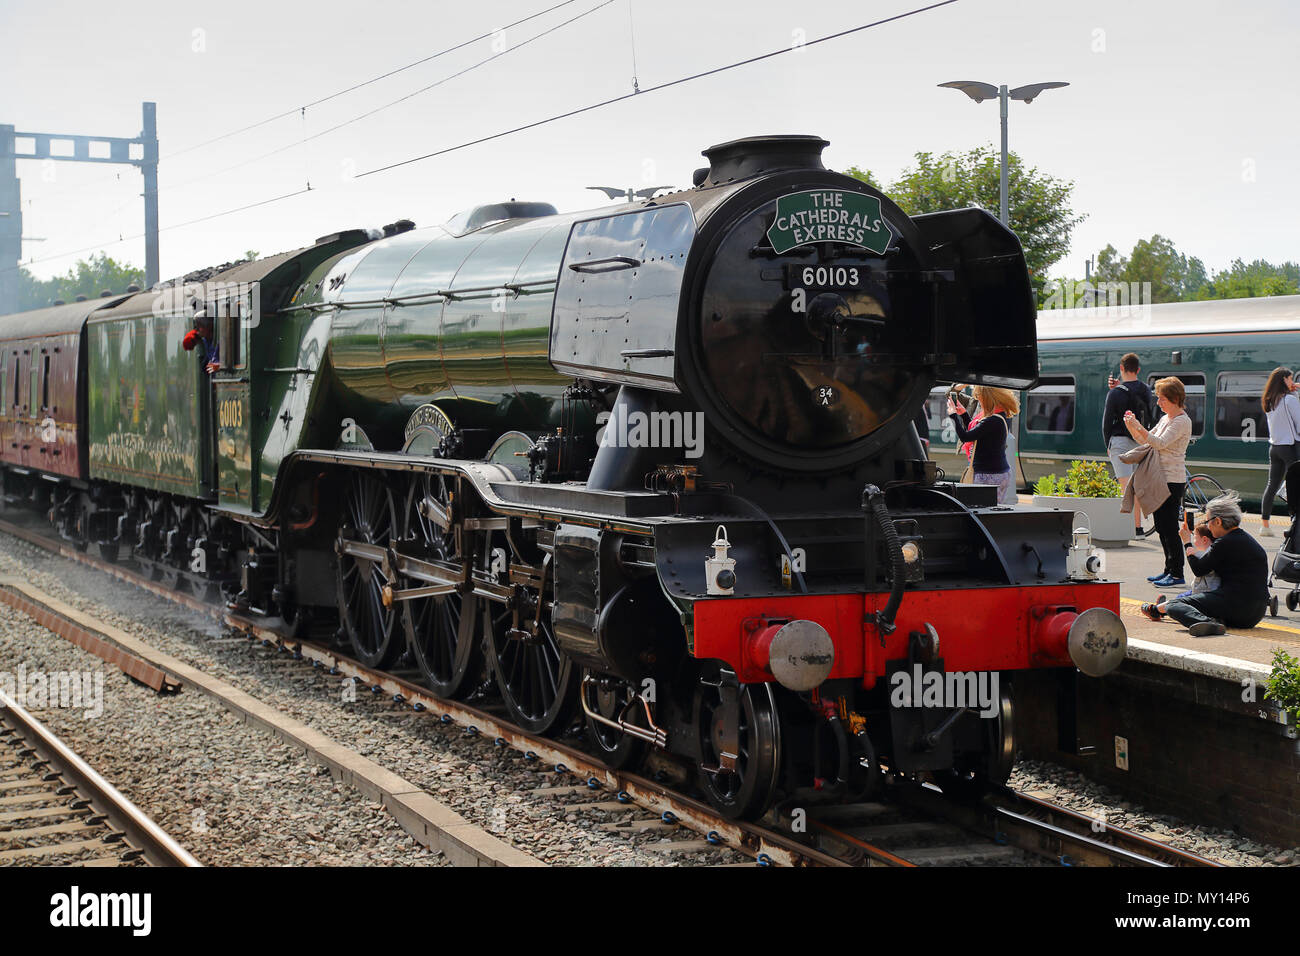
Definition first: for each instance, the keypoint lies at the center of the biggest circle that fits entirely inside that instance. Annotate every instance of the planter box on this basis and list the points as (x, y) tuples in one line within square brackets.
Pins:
[(1109, 525)]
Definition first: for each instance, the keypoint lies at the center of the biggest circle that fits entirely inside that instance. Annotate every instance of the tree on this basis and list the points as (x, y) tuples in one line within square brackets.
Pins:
[(1037, 204), (1157, 262), (89, 277), (1245, 281), (1173, 277)]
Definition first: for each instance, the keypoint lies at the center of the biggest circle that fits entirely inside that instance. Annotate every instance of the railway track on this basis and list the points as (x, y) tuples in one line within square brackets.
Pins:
[(918, 826), (915, 826), (56, 810)]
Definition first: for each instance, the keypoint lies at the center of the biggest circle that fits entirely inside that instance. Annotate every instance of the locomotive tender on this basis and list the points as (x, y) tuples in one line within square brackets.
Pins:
[(652, 464)]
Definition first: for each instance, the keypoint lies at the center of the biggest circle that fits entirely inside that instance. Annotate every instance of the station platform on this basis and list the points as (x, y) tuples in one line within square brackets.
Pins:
[(1130, 564), (1183, 723)]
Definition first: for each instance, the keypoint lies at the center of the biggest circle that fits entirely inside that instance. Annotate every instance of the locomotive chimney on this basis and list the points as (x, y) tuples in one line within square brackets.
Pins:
[(743, 158)]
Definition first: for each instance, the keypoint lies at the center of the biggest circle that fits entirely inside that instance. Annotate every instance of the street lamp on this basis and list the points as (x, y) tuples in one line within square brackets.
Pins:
[(980, 92)]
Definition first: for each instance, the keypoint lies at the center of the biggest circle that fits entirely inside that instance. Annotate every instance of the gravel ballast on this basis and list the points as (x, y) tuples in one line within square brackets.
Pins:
[(228, 794), (1078, 793), (490, 786)]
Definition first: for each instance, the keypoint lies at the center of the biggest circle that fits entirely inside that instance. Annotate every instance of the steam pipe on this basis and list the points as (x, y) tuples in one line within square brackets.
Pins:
[(873, 501)]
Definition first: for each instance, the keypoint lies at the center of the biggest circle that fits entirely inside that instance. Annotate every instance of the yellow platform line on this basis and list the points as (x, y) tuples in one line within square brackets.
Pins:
[(1262, 625)]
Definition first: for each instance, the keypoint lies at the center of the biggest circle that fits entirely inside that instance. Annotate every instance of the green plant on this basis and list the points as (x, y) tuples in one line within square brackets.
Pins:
[(1092, 479), (1083, 479), (1283, 683), (1048, 486)]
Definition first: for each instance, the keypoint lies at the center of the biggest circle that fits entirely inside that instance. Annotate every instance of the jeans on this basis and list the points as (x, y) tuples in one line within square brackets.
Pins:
[(1166, 520), (1214, 606), (1280, 458)]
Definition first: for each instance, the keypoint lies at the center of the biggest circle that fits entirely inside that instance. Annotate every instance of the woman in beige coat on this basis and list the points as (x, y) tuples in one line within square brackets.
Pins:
[(1169, 438)]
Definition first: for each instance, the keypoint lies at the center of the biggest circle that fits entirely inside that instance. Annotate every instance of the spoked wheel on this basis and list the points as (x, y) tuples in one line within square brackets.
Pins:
[(978, 771), (440, 630), (369, 517), (167, 521), (613, 699), (743, 786), (538, 682), (1200, 491)]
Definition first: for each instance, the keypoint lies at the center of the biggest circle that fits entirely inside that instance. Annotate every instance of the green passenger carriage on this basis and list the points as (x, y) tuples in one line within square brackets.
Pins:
[(1222, 351)]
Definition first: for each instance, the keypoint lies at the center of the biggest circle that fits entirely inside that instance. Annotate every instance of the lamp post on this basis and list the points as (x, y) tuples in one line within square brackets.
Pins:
[(980, 92)]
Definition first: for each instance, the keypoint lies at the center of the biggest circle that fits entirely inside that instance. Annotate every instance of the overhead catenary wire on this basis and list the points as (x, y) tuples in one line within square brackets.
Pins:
[(168, 228), (372, 80), (331, 96), (307, 138), (384, 106), (631, 27), (653, 89), (542, 122)]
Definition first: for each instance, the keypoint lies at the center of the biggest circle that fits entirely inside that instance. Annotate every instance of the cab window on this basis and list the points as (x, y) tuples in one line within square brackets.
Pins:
[(229, 334), (1049, 406), (1194, 385), (1238, 414)]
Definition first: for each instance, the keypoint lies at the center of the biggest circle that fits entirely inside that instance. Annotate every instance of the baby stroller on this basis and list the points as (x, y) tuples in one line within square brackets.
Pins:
[(1286, 564)]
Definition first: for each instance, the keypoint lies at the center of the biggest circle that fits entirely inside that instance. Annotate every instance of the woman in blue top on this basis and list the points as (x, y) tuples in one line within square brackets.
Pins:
[(1283, 411), (989, 462)]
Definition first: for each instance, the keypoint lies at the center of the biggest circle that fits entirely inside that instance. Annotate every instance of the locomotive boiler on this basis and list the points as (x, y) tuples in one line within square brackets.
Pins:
[(651, 466)]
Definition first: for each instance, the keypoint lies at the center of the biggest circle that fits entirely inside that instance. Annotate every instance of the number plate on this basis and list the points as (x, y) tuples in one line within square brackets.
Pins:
[(826, 277)]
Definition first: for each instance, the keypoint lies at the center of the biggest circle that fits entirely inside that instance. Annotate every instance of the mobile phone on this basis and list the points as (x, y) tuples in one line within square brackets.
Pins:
[(1189, 518)]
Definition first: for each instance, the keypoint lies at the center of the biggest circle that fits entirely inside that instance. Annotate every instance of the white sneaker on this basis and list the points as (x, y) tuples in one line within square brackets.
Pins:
[(1266, 532)]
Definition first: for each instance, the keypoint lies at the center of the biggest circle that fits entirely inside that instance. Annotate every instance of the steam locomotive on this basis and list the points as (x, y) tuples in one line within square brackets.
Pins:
[(651, 466)]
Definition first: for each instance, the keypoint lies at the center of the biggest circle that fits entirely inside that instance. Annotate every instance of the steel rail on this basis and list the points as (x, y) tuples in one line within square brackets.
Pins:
[(1089, 837), (766, 846), (1067, 836), (141, 832)]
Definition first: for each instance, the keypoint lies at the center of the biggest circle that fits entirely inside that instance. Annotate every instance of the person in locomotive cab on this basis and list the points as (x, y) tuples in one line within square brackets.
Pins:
[(989, 464), (203, 333)]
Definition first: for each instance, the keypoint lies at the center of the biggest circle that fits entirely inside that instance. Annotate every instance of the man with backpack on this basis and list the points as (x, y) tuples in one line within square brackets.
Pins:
[(1127, 393)]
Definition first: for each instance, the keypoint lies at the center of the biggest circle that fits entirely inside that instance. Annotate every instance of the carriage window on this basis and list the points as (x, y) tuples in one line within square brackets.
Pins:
[(45, 384), (17, 380), (1194, 384), (1050, 405), (1238, 413), (32, 410)]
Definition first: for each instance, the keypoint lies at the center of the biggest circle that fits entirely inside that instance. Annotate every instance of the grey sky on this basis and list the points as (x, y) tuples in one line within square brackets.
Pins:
[(1180, 117)]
